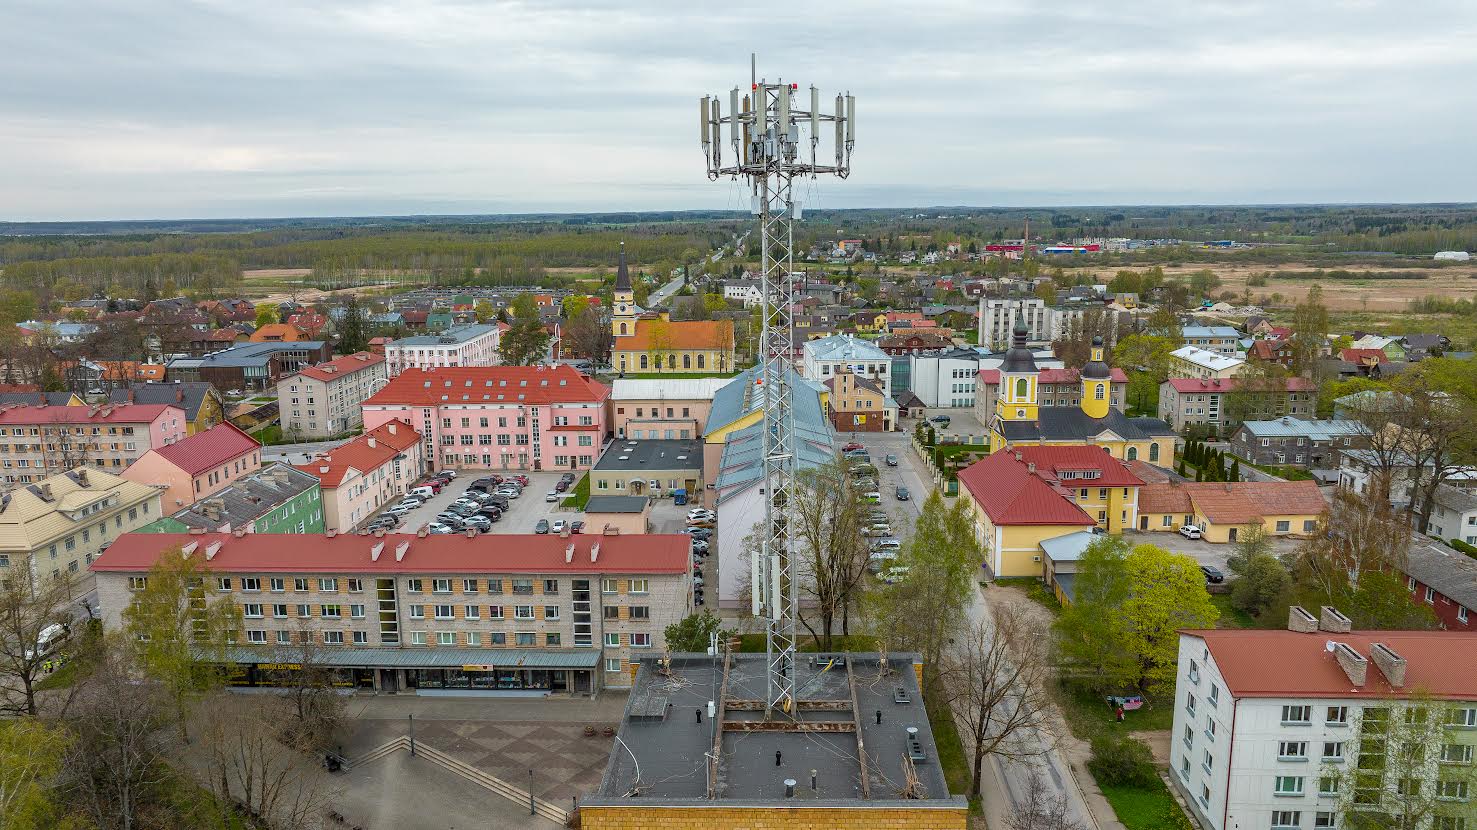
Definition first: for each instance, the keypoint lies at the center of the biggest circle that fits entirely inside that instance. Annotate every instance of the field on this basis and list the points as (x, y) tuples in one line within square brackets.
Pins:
[(1372, 294)]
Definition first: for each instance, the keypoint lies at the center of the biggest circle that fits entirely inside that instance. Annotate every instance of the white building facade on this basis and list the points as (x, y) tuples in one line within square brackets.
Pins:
[(821, 358), (997, 319), (468, 345)]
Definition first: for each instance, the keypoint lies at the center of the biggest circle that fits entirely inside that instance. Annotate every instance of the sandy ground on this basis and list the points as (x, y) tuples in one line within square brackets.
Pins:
[(1346, 294)]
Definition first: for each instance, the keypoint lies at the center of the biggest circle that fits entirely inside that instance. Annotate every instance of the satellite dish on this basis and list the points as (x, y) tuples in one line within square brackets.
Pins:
[(1329, 645)]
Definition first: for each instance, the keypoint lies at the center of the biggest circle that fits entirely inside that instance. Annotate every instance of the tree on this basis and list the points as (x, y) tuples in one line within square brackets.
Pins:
[(714, 303), (587, 335), (1042, 809), (830, 515), (1203, 282), (1309, 331), (1407, 770), (1260, 387), (1163, 322), (1093, 639), (997, 685), (266, 314), (30, 760), (179, 626), (307, 684), (1166, 593), (1260, 577), (1145, 358), (254, 761), (353, 332), (526, 342), (1046, 291), (1074, 347), (659, 343), (29, 606), (694, 632)]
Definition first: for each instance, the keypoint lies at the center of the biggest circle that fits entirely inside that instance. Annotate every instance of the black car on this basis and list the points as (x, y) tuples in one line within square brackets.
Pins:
[(542, 526), (576, 526), (1212, 575), (500, 502)]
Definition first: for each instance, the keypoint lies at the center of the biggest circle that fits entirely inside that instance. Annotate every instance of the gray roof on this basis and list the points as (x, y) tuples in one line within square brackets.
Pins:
[(843, 347), (1210, 331), (740, 396), (248, 354), (424, 658), (193, 394), (1062, 423), (1069, 547), (645, 454), (1455, 498), (740, 464), (29, 398), (454, 334), (248, 498), (1451, 572), (616, 504), (1296, 428)]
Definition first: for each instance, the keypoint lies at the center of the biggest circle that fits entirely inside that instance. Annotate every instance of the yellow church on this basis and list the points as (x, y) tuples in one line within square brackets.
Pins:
[(1019, 420), (655, 343)]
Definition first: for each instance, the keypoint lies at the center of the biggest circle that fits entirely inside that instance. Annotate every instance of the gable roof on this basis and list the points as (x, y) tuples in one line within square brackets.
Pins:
[(341, 366), (1234, 503), (1288, 427), (106, 414), (1364, 355), (1214, 361), (539, 384), (1070, 423), (1451, 572), (185, 395), (209, 449), (1011, 494), (679, 334), (363, 454), (26, 517), (844, 347)]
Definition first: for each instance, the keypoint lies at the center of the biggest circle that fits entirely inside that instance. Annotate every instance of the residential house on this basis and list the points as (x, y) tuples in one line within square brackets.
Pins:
[(475, 344), (275, 499), (1186, 402), (201, 402), (559, 615), (499, 417), (1364, 361), (323, 401), (1453, 514), (38, 442), (1444, 580), (58, 524), (1223, 510), (650, 408), (195, 467), (1192, 362), (745, 291), (279, 333), (34, 398), (1392, 347), (656, 468), (202, 343), (859, 404), (228, 311), (916, 342), (359, 477), (1296, 443), (1272, 351)]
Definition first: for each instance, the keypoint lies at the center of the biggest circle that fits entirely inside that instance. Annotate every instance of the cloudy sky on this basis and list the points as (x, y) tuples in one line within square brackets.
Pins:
[(172, 109)]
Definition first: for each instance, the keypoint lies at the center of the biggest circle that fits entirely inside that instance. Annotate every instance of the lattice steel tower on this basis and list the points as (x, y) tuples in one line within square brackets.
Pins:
[(773, 144)]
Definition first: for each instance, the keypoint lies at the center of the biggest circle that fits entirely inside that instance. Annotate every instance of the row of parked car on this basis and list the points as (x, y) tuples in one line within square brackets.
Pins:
[(700, 524), (483, 503)]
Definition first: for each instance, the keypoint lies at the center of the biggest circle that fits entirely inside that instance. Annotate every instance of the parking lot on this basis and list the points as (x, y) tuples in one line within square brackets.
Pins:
[(1206, 553), (523, 512)]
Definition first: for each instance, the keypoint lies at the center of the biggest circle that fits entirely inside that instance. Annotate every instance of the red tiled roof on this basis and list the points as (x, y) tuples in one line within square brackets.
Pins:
[(1234, 503), (345, 365), (541, 385), (136, 413), (209, 449), (1149, 473), (389, 440), (449, 554), (1196, 385), (1364, 355), (1298, 665), (1011, 495), (1063, 457), (1165, 497)]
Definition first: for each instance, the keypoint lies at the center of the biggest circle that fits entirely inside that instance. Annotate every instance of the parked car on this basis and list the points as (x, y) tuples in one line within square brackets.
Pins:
[(385, 520), (479, 521), (491, 513), (874, 497), (465, 509), (559, 525), (887, 544), (698, 532), (1190, 531), (425, 491), (852, 446), (940, 419), (439, 529), (48, 639), (701, 513), (487, 483), (521, 479), (891, 460), (894, 574), (576, 526), (1212, 575), (450, 474), (542, 526), (441, 517), (902, 493), (702, 523), (561, 486), (552, 496), (700, 546)]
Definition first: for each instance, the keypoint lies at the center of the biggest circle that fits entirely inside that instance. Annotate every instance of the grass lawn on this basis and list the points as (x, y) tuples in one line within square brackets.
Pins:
[(579, 494), (1231, 616), (61, 678), (1088, 715), (1146, 808)]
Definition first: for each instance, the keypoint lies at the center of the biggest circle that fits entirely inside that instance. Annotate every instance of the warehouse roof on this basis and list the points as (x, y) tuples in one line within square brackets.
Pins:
[(645, 454)]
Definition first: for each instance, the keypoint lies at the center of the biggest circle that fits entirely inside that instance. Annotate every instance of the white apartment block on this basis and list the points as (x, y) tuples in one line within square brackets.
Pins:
[(1269, 726), (1194, 362), (437, 615), (997, 319), (466, 345), (745, 291), (826, 357), (323, 401)]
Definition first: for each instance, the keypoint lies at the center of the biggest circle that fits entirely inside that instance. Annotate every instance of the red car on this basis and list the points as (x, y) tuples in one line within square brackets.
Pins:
[(435, 484), (852, 446)]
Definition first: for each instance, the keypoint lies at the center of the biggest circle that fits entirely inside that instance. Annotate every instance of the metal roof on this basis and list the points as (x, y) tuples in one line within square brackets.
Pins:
[(1295, 428), (458, 334), (1213, 361), (424, 658), (643, 389), (1210, 331), (1069, 547), (843, 347), (632, 454)]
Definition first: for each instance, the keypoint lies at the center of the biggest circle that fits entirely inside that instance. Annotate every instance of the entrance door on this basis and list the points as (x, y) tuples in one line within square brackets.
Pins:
[(1143, 523), (1233, 534), (582, 682), (387, 680)]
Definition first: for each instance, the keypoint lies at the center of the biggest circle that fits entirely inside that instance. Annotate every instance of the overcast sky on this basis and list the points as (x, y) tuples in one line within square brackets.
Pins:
[(171, 109)]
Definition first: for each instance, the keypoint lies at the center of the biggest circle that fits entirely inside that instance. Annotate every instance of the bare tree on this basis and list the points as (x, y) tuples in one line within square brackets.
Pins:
[(1362, 536), (831, 514), (29, 607), (1436, 429), (1378, 422), (1042, 810), (257, 762), (996, 681), (307, 680)]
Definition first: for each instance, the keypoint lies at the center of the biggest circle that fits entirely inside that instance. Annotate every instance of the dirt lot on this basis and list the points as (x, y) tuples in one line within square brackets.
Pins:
[(1345, 294)]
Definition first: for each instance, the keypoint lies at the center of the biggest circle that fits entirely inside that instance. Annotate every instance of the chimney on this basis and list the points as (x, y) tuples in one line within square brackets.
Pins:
[(331, 533), (392, 427), (1352, 662), (370, 442), (1329, 619), (1031, 467), (323, 468), (594, 553), (1390, 664), (471, 533), (212, 549), (1301, 619), (423, 532), (569, 553), (402, 548), (196, 531), (379, 533), (131, 393), (179, 394), (376, 550), (189, 548), (611, 530)]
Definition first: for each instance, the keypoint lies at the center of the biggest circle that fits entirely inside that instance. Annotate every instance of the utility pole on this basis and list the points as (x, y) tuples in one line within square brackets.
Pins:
[(769, 138)]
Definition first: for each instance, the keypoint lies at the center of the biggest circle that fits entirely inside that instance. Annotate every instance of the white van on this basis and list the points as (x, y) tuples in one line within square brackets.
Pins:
[(48, 639), (421, 492)]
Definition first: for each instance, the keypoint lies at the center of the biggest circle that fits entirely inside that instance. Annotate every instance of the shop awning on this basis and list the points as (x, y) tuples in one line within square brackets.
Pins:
[(470, 659)]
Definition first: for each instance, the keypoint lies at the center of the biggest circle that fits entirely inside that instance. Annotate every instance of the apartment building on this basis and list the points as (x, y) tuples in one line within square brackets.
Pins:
[(1185, 402), (361, 476), (1271, 728), (198, 466), (651, 408), (473, 344), (859, 404), (822, 359), (275, 499), (1296, 442), (499, 417), (1224, 340), (432, 614), (1194, 362), (59, 524), (997, 321), (323, 401), (41, 441)]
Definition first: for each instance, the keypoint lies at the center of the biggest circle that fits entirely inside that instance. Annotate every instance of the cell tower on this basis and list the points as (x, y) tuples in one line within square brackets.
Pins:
[(774, 143)]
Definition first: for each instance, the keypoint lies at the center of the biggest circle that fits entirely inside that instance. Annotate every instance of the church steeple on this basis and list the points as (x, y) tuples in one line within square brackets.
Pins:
[(1017, 395), (1097, 382), (623, 305), (622, 276)]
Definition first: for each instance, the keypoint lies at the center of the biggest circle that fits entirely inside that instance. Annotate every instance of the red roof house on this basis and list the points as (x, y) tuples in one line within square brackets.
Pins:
[(198, 466)]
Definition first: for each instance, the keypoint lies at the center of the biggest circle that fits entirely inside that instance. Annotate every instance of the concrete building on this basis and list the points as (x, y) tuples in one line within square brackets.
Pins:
[(195, 467), (1269, 726), (254, 367), (361, 476), (1187, 402), (202, 402), (1192, 362), (275, 499), (40, 441), (829, 765), (859, 404), (499, 417), (649, 468), (1295, 442), (998, 318), (1454, 514), (1224, 340), (435, 614), (59, 524), (323, 401), (466, 345), (622, 514), (651, 408), (824, 358)]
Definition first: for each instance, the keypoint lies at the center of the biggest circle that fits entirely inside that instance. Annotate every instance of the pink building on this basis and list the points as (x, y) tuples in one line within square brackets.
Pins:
[(198, 466), (41, 441), (499, 417), (359, 477)]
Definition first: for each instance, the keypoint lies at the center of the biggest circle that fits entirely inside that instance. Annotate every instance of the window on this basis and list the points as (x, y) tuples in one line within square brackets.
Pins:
[(300, 584), (1190, 705), (551, 586), (551, 612), (138, 583), (1189, 735), (472, 612), (280, 611), (612, 640), (641, 612), (356, 586), (1333, 752), (255, 636), (1456, 753), (1452, 790), (328, 585), (640, 641), (1215, 696), (612, 664), (1207, 761), (331, 612), (223, 583), (1447, 822), (1284, 526), (607, 586), (469, 586), (277, 585), (494, 586), (251, 583), (524, 639), (497, 638), (356, 612), (1337, 716), (417, 612), (441, 586), (333, 638), (284, 637), (1328, 785), (444, 612), (304, 609), (1210, 729), (1430, 595), (414, 585), (251, 610), (642, 586), (612, 612), (1287, 818), (1288, 785), (1462, 718), (494, 612), (523, 612), (361, 638), (1298, 715), (1292, 750), (552, 639), (446, 638), (523, 586)]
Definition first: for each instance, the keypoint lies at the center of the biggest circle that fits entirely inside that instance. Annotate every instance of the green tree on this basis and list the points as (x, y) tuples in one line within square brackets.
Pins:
[(1166, 593), (1259, 577), (1046, 291), (714, 303), (526, 342), (180, 625), (1093, 637), (266, 314), (693, 632), (16, 306), (486, 311), (1309, 331), (30, 761), (1145, 358), (353, 332)]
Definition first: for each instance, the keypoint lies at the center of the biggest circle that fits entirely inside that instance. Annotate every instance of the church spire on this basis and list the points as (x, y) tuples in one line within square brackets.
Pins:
[(622, 276)]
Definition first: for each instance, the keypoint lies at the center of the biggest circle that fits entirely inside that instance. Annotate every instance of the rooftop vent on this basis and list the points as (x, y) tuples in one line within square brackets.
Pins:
[(915, 746), (1390, 664), (1352, 662), (1301, 619), (900, 695), (1329, 619)]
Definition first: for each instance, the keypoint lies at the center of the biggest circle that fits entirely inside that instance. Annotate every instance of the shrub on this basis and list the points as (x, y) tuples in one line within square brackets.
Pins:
[(1464, 548), (1119, 760)]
